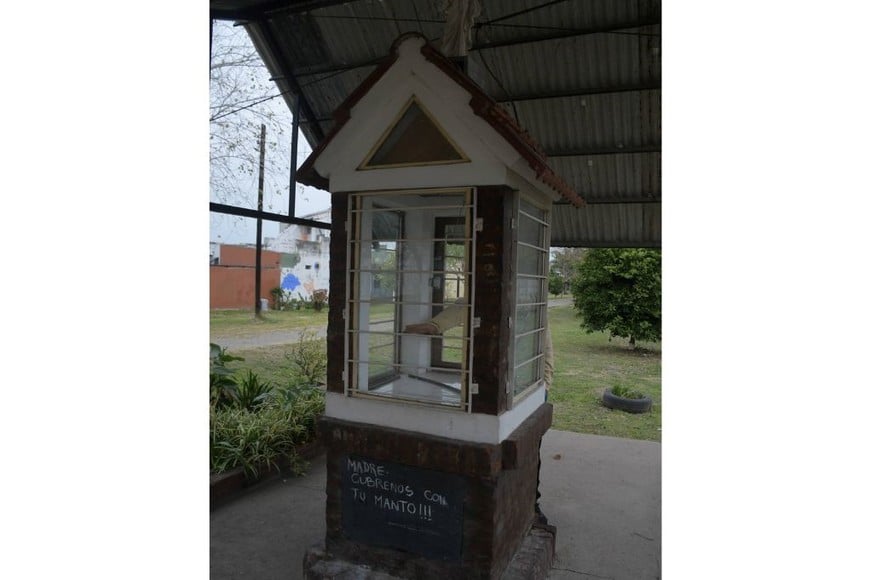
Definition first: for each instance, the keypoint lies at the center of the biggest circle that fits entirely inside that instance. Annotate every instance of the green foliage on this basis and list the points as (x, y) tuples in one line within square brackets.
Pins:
[(255, 425), (256, 440), (626, 392), (565, 261), (556, 283), (251, 391), (306, 401), (223, 385), (619, 291), (306, 360), (278, 298)]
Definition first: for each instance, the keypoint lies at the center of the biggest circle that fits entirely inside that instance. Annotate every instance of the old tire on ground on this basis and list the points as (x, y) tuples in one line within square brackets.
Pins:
[(611, 401)]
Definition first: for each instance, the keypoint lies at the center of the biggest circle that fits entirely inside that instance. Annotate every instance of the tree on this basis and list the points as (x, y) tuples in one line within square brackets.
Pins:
[(556, 283), (242, 97), (620, 291), (563, 265)]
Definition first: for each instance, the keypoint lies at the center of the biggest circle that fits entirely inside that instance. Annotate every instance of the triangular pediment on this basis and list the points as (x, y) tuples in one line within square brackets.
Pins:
[(414, 138), (419, 122)]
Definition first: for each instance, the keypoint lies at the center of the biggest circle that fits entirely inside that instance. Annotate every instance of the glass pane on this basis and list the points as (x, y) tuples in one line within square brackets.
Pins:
[(530, 231), (528, 347), (529, 290), (531, 260), (386, 225), (525, 377), (454, 231), (411, 253), (414, 139), (384, 286), (452, 346), (380, 349), (532, 210), (529, 318)]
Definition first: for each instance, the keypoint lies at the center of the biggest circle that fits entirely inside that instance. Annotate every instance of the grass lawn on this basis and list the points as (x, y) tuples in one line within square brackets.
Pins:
[(586, 364), (243, 323), (268, 362)]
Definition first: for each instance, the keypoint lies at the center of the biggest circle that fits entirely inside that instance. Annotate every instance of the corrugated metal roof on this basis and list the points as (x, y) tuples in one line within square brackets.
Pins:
[(583, 77)]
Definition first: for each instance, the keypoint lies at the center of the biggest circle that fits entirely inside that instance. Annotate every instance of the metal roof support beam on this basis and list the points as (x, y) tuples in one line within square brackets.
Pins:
[(584, 92), (275, 217), (267, 9), (569, 34)]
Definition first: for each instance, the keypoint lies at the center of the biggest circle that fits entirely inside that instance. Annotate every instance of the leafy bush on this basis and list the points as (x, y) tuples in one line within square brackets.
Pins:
[(254, 424), (620, 291), (306, 401), (251, 392), (278, 298), (256, 439), (307, 360), (223, 386), (556, 283)]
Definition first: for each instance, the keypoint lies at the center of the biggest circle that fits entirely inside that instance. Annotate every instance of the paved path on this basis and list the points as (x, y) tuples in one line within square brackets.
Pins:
[(603, 494), (275, 337)]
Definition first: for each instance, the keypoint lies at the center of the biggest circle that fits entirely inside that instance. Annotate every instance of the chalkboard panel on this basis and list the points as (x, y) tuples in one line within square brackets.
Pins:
[(397, 506)]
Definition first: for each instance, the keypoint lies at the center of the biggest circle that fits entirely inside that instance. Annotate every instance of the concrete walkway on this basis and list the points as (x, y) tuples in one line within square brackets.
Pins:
[(603, 494)]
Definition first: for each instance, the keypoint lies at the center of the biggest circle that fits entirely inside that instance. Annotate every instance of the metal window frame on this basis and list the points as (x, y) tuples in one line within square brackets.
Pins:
[(542, 277), (354, 244)]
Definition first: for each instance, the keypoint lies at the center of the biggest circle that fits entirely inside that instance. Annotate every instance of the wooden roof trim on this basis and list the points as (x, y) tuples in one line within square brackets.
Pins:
[(306, 173), (482, 105)]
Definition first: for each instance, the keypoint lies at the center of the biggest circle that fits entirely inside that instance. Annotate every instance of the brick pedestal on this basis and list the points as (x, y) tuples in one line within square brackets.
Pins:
[(405, 505)]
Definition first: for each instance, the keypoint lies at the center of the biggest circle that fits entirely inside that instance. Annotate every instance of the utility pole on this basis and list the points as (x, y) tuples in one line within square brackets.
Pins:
[(258, 267)]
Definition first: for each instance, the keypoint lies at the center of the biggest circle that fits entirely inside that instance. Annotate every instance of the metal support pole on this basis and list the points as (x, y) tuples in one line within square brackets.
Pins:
[(258, 267)]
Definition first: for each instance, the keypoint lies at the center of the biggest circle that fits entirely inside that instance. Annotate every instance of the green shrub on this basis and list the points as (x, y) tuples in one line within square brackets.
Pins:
[(619, 290), (556, 283), (306, 360), (256, 439), (223, 386), (251, 392)]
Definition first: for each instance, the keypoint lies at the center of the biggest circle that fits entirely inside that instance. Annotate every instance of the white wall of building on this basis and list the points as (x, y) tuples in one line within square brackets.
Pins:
[(311, 245)]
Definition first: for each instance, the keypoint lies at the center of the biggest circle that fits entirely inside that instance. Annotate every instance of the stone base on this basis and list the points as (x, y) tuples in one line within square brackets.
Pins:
[(531, 562)]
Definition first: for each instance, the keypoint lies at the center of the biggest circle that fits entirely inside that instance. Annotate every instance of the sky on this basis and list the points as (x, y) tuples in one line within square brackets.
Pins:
[(230, 229)]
